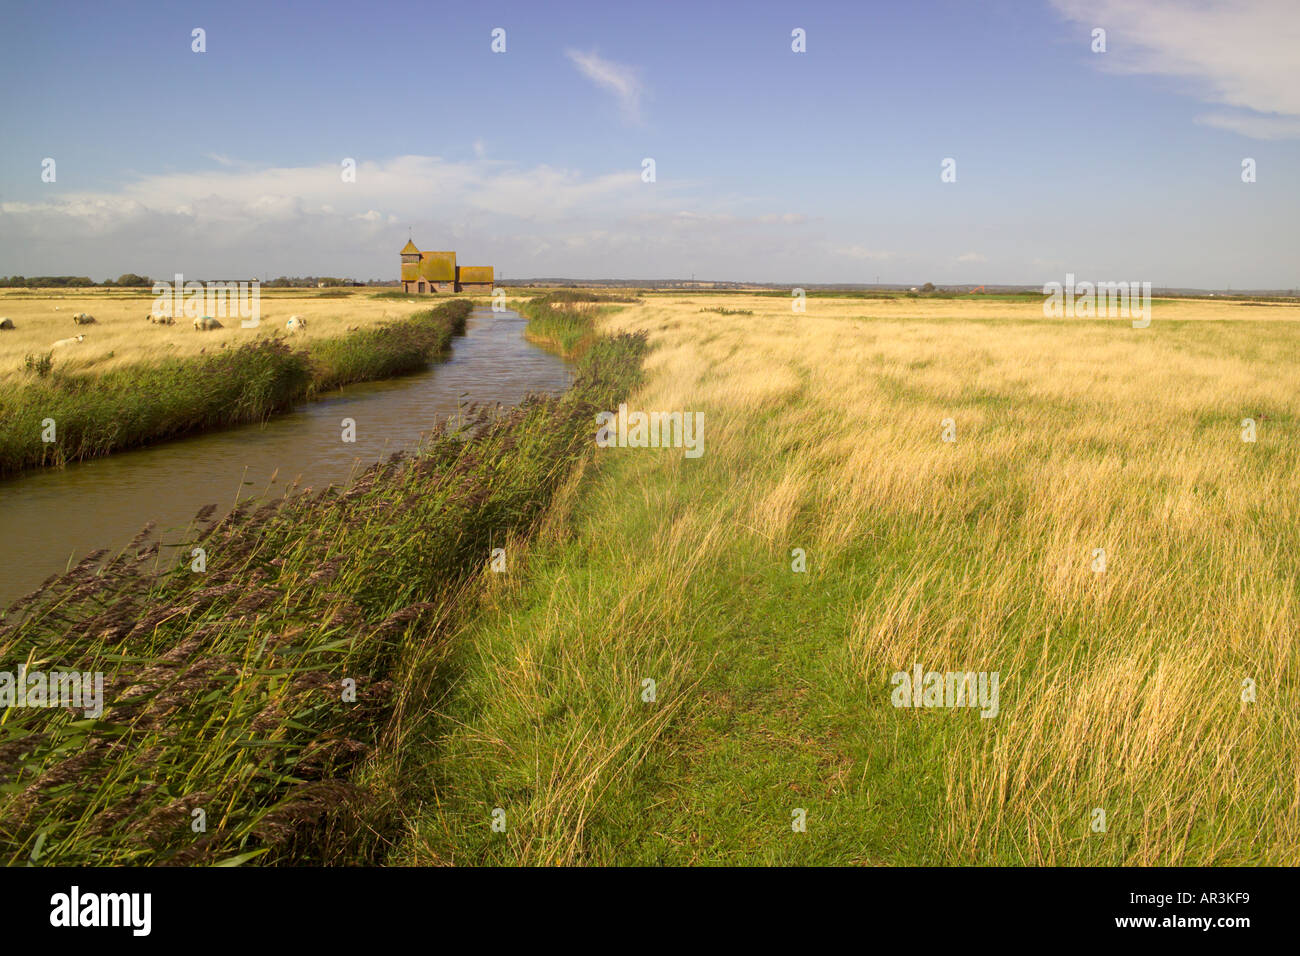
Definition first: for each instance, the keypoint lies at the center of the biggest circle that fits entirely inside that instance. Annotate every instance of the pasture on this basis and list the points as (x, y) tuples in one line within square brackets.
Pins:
[(121, 336)]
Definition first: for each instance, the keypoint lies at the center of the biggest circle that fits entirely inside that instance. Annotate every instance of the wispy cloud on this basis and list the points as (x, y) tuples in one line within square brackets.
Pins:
[(236, 219), (972, 257), (623, 81), (861, 252), (1254, 125), (1237, 54)]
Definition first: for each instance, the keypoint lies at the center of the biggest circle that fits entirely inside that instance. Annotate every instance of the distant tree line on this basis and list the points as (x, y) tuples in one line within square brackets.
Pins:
[(295, 282), (128, 279), (132, 280)]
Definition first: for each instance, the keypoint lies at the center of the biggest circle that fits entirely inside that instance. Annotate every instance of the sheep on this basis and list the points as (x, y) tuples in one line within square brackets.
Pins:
[(81, 318), (72, 341), (6, 324), (296, 323), (206, 323)]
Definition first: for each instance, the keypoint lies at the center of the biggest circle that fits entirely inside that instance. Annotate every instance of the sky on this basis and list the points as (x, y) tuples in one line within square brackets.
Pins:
[(770, 165)]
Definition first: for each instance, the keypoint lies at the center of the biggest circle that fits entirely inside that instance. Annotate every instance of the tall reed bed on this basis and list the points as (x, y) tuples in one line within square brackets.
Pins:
[(388, 350), (239, 700), (566, 319), (93, 415)]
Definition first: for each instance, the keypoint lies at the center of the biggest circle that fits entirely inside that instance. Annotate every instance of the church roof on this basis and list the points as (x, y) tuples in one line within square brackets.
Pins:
[(408, 248), (438, 266)]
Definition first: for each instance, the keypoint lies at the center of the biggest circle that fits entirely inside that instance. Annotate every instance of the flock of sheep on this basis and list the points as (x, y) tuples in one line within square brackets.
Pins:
[(205, 323)]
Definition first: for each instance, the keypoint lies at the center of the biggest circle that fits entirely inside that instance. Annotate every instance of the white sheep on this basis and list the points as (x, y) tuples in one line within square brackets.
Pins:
[(81, 318), (296, 323), (6, 323), (206, 323), (72, 341)]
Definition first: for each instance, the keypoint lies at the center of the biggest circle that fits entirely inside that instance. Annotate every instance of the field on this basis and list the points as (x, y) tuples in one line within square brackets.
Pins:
[(121, 336), (690, 660), (1148, 706), (225, 690), (55, 414)]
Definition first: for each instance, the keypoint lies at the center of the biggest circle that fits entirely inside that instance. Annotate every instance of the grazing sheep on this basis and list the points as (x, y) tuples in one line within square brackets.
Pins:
[(296, 323), (206, 323), (72, 341), (6, 324), (81, 318)]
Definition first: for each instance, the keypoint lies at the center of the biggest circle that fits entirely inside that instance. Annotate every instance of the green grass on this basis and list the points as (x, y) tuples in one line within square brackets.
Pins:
[(566, 319), (97, 414), (224, 688), (753, 719), (770, 694)]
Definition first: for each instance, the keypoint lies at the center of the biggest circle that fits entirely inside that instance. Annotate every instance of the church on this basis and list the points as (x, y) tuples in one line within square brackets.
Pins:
[(431, 272)]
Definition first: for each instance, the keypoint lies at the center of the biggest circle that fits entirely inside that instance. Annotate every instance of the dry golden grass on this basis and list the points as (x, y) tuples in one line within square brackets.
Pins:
[(121, 335), (1120, 690)]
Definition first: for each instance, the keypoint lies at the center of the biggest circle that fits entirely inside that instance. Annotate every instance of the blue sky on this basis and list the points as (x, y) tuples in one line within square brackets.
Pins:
[(771, 165)]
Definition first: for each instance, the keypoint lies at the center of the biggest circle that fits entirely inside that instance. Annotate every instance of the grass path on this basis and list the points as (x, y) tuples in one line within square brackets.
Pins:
[(1120, 690)]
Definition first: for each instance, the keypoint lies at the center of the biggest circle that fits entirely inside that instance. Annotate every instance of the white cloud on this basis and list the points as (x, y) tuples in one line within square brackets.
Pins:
[(304, 220), (1240, 54), (861, 252), (231, 198), (622, 81), (1254, 125), (972, 257)]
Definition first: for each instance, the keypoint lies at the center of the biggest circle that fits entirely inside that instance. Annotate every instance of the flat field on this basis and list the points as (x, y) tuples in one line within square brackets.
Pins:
[(1099, 534), (121, 335)]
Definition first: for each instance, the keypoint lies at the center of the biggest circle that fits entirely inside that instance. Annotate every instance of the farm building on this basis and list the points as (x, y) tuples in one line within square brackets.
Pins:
[(433, 272)]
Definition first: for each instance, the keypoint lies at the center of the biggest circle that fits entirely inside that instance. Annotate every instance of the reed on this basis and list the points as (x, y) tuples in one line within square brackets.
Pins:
[(565, 320), (97, 414), (230, 691)]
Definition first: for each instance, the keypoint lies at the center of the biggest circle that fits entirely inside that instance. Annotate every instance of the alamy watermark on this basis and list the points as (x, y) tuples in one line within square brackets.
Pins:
[(220, 300), (1098, 300), (76, 689), (75, 908), (626, 429), (946, 689)]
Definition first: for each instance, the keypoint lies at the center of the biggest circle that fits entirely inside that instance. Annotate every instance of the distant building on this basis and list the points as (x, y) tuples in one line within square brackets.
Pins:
[(427, 273)]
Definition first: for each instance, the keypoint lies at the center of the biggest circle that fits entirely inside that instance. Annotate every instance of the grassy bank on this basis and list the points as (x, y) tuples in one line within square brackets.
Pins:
[(565, 320), (1161, 690), (98, 414), (228, 691), (121, 337)]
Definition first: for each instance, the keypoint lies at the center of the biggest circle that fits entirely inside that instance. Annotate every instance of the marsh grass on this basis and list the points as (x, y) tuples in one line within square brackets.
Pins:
[(1120, 690), (122, 408), (566, 319), (224, 689)]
